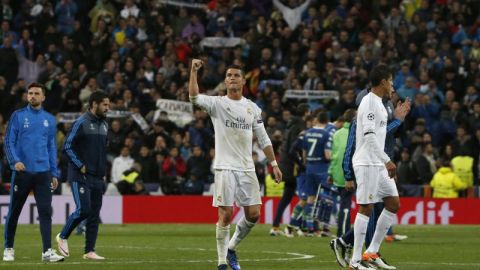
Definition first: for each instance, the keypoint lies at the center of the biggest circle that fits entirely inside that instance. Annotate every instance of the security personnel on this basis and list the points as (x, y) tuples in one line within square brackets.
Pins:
[(30, 147), (86, 149)]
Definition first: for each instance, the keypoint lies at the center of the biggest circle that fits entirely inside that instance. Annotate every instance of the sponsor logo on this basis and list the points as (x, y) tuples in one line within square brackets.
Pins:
[(370, 197)]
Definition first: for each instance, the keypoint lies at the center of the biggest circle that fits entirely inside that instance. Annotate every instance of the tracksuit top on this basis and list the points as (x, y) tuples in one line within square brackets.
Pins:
[(86, 145), (31, 139)]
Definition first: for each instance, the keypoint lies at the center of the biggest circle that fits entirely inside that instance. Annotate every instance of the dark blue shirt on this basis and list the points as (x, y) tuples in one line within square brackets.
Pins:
[(316, 141), (86, 145)]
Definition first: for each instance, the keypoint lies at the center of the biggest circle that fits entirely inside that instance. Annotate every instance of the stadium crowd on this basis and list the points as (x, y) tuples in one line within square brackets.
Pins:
[(139, 52)]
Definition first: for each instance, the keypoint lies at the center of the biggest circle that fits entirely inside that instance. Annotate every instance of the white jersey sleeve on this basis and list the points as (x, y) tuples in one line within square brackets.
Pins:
[(259, 128), (205, 102)]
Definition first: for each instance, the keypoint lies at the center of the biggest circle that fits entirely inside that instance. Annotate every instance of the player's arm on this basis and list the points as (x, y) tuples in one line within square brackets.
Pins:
[(74, 134), (328, 147), (10, 142), (52, 152), (193, 90), (266, 144), (368, 132), (205, 102), (347, 165)]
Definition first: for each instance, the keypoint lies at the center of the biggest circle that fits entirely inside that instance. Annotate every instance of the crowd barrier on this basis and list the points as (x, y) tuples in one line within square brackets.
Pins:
[(198, 209)]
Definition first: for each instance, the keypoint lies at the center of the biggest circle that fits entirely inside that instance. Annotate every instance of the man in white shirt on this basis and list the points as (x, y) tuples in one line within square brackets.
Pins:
[(235, 119), (374, 171), (120, 164)]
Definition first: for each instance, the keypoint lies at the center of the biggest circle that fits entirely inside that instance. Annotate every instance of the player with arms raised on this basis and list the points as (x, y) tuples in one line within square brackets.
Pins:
[(235, 119)]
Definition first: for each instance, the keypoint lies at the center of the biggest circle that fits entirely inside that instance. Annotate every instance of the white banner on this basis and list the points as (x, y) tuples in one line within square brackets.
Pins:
[(220, 42), (180, 112), (70, 117), (62, 207), (182, 4), (311, 94)]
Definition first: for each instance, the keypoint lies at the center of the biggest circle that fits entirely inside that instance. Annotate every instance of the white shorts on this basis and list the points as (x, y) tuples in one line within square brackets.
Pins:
[(373, 184), (236, 186)]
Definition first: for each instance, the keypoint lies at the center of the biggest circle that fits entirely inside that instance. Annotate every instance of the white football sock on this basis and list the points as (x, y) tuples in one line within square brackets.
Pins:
[(241, 231), (223, 236), (359, 231), (383, 224)]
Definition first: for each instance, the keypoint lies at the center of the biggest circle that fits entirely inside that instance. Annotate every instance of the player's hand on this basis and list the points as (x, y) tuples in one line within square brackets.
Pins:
[(277, 173), (54, 183), (329, 180), (196, 64), (83, 170), (19, 167), (402, 109), (391, 168), (349, 185)]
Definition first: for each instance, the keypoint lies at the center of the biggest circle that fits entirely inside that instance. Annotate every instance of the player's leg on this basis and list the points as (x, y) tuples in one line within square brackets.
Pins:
[(43, 197), (42, 190), (367, 187), (343, 221), (387, 191), (21, 184), (247, 195), (288, 193), (297, 216), (372, 223), (81, 196), (223, 198), (312, 187), (93, 220)]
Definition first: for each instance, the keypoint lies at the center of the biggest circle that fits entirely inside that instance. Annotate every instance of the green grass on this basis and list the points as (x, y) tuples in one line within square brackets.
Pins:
[(179, 246)]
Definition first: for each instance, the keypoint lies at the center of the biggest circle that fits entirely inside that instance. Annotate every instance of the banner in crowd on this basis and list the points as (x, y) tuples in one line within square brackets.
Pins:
[(311, 94), (62, 207), (222, 42), (70, 117), (181, 113)]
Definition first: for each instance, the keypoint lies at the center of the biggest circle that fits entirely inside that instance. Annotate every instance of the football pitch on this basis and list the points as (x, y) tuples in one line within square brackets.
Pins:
[(180, 246)]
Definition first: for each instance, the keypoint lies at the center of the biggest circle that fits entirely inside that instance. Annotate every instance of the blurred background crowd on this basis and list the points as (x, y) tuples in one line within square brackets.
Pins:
[(139, 51)]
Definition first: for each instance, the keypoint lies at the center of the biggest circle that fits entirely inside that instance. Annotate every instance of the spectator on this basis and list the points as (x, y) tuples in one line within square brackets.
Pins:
[(121, 164), (198, 171), (445, 183)]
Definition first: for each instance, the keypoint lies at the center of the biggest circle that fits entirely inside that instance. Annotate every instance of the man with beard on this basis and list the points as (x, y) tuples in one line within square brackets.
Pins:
[(30, 147), (86, 149)]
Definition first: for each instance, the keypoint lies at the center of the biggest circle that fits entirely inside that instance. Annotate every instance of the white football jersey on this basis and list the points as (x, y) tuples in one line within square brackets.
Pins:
[(234, 122), (372, 117)]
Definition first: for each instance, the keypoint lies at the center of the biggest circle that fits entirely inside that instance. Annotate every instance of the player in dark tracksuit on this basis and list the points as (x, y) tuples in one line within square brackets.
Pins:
[(30, 148), (346, 240), (86, 149)]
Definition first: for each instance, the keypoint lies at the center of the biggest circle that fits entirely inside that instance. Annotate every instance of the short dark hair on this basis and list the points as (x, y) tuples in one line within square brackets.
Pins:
[(38, 85), (301, 109), (236, 67), (379, 73), (349, 115), (322, 117), (97, 97)]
